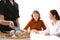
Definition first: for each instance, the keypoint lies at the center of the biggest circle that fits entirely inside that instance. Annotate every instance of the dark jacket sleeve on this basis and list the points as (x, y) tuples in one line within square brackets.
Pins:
[(1, 8), (17, 7)]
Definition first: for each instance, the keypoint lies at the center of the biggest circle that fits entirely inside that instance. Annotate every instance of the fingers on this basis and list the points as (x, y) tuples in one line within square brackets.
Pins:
[(0, 21), (11, 24), (35, 31), (47, 34)]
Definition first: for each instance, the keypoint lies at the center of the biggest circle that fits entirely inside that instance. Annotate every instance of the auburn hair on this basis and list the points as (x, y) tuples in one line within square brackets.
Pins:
[(35, 11)]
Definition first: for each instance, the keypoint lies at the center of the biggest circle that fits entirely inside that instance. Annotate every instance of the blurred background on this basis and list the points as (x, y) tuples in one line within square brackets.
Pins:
[(26, 7)]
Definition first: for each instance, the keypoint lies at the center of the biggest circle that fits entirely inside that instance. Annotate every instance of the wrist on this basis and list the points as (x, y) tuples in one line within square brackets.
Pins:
[(0, 21)]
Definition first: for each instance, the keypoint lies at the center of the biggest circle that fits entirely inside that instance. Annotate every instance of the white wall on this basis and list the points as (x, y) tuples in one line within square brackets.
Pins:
[(26, 7)]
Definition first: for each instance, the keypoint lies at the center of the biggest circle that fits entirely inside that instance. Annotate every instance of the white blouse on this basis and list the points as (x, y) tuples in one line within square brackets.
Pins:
[(54, 30)]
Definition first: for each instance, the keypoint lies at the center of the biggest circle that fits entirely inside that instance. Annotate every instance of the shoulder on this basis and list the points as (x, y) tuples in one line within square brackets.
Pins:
[(58, 21), (41, 20), (1, 8), (30, 22), (16, 3), (2, 4)]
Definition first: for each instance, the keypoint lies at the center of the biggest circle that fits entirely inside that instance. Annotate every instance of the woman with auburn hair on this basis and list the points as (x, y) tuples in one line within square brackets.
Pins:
[(35, 24)]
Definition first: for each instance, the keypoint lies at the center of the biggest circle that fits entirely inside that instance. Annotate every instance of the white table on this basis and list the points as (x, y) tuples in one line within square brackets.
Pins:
[(35, 36)]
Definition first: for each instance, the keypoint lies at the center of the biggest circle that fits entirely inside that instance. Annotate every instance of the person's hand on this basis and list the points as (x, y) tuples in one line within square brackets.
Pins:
[(47, 34), (37, 32), (0, 21), (11, 24)]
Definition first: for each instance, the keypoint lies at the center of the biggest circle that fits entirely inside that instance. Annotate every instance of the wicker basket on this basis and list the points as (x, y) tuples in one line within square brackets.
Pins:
[(17, 36)]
